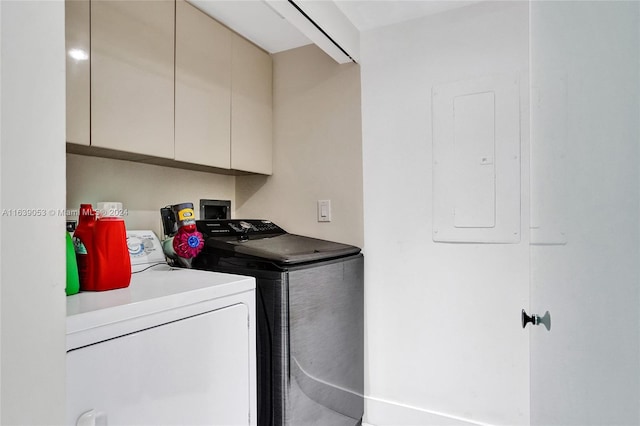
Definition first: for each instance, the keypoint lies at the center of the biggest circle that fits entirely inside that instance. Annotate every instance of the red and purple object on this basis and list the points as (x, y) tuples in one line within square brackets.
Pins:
[(184, 242), (187, 243)]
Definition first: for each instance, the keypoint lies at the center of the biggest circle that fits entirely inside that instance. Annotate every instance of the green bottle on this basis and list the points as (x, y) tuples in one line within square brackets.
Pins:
[(73, 284)]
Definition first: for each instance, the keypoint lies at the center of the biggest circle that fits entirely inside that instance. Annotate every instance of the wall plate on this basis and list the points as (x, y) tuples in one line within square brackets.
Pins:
[(215, 209)]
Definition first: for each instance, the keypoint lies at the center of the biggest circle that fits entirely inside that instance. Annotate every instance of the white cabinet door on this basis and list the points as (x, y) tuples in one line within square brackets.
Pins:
[(193, 371), (251, 108), (77, 17), (203, 88), (132, 76)]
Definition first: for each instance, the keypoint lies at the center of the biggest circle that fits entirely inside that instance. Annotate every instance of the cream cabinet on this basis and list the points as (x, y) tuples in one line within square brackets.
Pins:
[(223, 96), (132, 76), (203, 89), (251, 108), (77, 15), (166, 84)]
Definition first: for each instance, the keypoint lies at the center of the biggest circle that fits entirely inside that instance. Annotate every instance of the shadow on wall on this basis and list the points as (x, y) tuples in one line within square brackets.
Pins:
[(247, 187), (317, 149), (142, 188)]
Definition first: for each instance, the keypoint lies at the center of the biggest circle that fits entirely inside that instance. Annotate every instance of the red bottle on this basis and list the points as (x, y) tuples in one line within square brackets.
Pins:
[(83, 241), (101, 250)]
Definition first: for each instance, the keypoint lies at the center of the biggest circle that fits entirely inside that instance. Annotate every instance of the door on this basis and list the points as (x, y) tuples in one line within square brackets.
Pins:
[(585, 260)]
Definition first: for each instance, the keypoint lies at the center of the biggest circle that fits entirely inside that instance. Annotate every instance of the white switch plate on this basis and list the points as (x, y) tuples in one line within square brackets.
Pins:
[(324, 210)]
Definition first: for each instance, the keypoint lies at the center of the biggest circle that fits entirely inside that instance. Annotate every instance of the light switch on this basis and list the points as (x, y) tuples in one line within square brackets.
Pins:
[(324, 210)]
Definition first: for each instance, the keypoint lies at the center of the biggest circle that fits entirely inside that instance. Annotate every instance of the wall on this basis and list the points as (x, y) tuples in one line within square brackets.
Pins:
[(317, 152), (142, 188), (32, 271), (317, 155), (444, 341)]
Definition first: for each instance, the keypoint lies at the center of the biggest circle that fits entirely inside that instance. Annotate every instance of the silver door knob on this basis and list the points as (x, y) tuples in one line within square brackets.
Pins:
[(536, 319)]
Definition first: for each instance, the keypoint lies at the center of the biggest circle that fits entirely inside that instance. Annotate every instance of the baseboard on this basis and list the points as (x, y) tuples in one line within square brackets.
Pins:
[(379, 412)]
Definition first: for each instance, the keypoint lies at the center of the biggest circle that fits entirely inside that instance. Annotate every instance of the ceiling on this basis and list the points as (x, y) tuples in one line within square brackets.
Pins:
[(256, 21), (259, 22), (370, 14)]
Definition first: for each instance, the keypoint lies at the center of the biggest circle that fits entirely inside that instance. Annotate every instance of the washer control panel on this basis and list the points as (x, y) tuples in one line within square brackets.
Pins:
[(238, 227)]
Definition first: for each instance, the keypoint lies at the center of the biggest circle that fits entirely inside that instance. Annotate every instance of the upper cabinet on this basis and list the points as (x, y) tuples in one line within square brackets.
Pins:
[(203, 89), (251, 107), (77, 15), (167, 84), (132, 73)]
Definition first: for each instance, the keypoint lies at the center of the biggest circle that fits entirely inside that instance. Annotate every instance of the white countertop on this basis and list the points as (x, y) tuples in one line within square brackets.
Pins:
[(158, 290)]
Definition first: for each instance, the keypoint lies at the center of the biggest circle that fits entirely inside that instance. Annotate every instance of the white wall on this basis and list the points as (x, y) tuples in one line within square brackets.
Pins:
[(142, 188), (317, 149), (0, 206), (32, 163), (444, 341)]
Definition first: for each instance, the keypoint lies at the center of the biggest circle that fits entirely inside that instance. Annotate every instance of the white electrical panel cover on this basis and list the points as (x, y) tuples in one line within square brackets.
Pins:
[(476, 160)]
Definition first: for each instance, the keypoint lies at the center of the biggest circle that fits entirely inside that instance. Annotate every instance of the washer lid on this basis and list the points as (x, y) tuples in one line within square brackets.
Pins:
[(265, 240), (289, 249)]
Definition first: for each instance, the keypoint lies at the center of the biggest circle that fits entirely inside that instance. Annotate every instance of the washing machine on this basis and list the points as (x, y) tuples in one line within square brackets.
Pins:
[(310, 319), (176, 347)]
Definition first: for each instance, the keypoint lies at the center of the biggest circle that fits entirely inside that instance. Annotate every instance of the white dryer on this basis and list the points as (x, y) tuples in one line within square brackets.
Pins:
[(176, 347)]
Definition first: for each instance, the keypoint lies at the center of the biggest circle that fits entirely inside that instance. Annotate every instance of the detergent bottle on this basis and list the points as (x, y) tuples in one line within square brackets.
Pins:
[(83, 241), (73, 284), (101, 249)]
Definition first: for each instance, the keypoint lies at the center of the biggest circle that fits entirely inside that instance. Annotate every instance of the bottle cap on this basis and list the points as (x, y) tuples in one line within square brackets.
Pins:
[(110, 209)]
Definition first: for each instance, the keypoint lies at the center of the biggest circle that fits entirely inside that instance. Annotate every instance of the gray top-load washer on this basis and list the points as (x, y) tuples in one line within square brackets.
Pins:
[(310, 319)]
